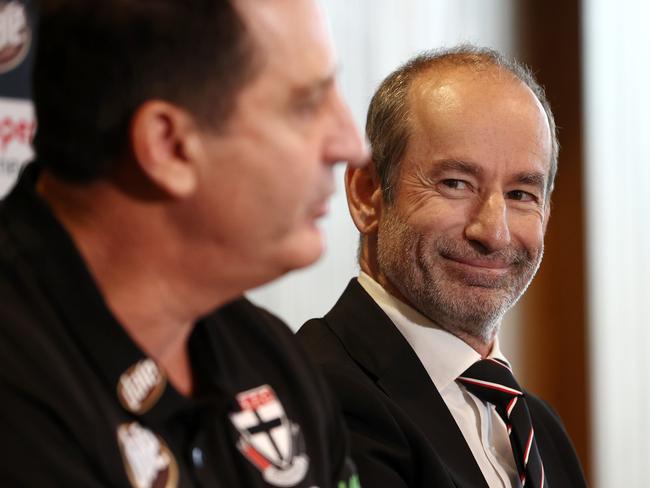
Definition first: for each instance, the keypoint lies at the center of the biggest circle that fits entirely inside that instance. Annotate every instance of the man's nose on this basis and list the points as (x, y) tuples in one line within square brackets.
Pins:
[(489, 224), (345, 143)]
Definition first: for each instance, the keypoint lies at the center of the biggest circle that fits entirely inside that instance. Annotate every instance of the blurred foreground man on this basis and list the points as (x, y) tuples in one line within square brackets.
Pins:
[(452, 214), (184, 153)]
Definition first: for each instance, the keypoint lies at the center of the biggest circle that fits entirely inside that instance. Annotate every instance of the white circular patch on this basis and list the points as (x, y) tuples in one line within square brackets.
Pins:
[(148, 461)]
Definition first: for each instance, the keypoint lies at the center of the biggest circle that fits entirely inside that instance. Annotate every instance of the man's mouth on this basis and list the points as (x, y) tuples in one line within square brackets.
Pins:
[(480, 268), (481, 263)]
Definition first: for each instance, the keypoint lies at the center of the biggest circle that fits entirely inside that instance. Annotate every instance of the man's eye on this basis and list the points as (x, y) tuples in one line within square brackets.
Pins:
[(521, 196), (309, 105), (455, 184), (306, 107)]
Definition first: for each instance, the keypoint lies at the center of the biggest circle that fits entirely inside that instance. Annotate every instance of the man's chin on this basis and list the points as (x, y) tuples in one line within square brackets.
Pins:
[(305, 249), (480, 296), (472, 315), (476, 302)]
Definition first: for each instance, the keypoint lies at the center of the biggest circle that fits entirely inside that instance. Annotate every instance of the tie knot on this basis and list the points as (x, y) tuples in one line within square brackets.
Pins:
[(492, 381)]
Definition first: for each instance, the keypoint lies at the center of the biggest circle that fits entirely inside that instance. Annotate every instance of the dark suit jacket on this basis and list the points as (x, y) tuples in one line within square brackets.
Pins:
[(402, 433)]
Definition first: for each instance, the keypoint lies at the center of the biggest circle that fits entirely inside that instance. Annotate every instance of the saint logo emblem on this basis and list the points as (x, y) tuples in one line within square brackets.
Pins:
[(268, 439), (148, 461), (140, 386)]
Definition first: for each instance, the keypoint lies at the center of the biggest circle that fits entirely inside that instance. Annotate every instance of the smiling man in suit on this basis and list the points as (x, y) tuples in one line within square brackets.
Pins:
[(452, 215)]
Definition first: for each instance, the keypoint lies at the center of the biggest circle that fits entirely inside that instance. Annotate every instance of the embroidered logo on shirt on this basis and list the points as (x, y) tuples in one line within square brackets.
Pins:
[(140, 386), (148, 461), (269, 440)]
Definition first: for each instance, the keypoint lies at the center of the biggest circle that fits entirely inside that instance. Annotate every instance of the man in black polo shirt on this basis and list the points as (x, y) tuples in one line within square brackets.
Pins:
[(184, 152)]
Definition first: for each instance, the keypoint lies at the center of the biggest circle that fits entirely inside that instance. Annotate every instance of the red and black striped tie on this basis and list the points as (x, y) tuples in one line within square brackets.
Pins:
[(492, 381)]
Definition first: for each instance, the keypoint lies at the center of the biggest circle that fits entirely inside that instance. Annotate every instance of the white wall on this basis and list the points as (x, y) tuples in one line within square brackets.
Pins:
[(617, 122), (373, 37)]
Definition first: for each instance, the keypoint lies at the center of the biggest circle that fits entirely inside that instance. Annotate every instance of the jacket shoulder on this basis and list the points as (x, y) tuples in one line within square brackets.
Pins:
[(561, 462), (388, 448)]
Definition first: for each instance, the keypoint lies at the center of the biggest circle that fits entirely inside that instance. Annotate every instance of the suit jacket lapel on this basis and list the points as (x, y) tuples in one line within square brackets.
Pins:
[(372, 339)]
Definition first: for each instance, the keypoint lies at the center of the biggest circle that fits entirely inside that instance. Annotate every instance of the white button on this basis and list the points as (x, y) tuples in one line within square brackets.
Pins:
[(197, 457)]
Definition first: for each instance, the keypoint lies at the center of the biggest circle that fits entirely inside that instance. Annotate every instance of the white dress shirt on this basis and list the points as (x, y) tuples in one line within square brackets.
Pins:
[(444, 357)]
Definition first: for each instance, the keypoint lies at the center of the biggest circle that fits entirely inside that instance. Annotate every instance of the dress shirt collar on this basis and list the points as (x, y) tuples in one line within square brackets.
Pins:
[(444, 356)]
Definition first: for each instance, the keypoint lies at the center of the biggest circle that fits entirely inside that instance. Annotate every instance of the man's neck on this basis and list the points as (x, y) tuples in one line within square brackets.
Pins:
[(140, 274), (480, 345)]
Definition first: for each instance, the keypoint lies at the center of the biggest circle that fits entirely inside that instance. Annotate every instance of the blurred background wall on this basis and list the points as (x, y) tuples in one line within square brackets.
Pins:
[(617, 169), (580, 337)]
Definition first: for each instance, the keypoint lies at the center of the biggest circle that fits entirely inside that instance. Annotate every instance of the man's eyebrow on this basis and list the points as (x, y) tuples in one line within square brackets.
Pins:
[(531, 178), (457, 165), (316, 87)]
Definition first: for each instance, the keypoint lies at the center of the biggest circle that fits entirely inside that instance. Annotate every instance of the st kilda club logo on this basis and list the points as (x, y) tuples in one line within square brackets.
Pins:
[(15, 34), (268, 438)]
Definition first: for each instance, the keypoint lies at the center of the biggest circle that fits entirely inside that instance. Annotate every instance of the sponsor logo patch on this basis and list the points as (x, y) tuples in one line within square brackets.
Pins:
[(140, 386), (268, 439), (148, 461)]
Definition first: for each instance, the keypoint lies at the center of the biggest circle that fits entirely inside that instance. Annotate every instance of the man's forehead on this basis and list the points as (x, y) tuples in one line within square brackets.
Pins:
[(449, 104), (449, 85), (290, 36), (462, 95), (283, 20)]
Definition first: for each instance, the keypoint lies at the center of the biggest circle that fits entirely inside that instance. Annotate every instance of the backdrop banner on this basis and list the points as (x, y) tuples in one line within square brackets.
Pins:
[(17, 121)]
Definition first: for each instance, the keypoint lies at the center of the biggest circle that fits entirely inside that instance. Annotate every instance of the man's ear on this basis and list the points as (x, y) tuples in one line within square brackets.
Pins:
[(364, 195), (166, 144)]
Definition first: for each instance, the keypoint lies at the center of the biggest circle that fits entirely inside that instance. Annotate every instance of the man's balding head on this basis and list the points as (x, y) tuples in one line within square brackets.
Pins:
[(388, 123)]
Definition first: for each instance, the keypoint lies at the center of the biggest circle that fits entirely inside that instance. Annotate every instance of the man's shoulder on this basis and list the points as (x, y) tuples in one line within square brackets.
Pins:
[(560, 459), (388, 447), (53, 409), (543, 413), (354, 386), (38, 355), (322, 343), (355, 328), (24, 316)]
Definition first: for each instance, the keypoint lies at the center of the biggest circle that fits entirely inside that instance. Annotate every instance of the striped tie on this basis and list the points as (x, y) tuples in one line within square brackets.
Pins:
[(492, 381)]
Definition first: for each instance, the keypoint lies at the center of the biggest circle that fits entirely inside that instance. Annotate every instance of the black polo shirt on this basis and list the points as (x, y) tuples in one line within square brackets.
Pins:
[(82, 405)]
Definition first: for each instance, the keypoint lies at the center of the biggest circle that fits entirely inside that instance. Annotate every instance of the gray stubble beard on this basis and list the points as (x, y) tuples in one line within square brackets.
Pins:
[(449, 301)]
